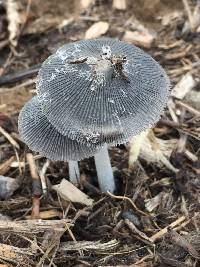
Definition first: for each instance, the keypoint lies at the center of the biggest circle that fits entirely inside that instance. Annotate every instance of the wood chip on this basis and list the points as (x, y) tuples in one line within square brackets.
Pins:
[(68, 191), (119, 4), (153, 203), (33, 226), (186, 84), (86, 3), (14, 20), (140, 38), (96, 30)]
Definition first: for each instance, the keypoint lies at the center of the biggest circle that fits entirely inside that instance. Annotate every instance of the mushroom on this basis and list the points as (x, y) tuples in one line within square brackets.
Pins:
[(36, 131), (98, 93)]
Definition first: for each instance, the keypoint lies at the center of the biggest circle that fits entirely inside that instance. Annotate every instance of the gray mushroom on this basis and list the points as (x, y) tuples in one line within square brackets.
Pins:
[(100, 91), (91, 94), (36, 131)]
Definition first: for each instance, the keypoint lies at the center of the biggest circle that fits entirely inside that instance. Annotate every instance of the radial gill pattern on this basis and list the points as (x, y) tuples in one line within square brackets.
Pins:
[(103, 90), (40, 136)]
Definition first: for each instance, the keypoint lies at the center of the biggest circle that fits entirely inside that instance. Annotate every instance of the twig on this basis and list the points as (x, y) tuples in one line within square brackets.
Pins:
[(34, 226), (9, 137), (136, 231), (189, 108), (189, 14), (163, 231), (5, 166), (42, 176), (36, 187), (15, 77), (132, 203)]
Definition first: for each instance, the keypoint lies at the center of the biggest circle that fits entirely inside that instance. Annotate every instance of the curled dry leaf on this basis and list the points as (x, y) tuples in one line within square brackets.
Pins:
[(185, 85), (12, 8), (96, 30)]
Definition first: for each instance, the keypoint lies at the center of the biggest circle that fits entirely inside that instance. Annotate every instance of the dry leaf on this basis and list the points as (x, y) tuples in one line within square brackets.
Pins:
[(186, 84), (12, 8), (70, 192), (119, 4), (96, 30)]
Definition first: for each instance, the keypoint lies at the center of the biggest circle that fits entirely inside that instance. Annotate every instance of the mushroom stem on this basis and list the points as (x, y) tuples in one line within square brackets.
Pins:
[(74, 173), (104, 170)]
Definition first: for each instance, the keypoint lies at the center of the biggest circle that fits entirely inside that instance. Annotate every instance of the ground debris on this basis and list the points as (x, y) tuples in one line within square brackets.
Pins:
[(153, 217)]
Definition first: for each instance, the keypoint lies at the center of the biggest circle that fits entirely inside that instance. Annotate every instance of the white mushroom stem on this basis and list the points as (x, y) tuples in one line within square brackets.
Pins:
[(104, 170), (74, 173)]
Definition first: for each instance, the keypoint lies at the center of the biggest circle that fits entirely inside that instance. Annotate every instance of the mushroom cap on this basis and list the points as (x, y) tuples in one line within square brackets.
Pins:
[(40, 136), (83, 95)]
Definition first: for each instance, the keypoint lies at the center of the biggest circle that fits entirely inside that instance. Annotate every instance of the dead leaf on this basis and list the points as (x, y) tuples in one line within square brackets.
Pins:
[(96, 30), (70, 192)]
